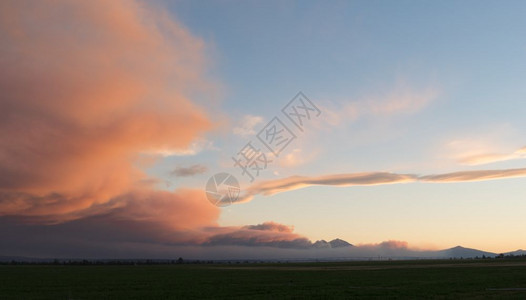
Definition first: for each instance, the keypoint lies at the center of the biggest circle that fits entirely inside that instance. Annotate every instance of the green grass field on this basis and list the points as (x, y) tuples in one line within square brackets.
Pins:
[(387, 279)]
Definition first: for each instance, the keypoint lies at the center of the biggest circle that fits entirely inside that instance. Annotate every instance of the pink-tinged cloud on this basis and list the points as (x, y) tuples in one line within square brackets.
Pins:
[(479, 175), (401, 100), (183, 209), (487, 158), (271, 226), (271, 187), (86, 88), (391, 244), (268, 234)]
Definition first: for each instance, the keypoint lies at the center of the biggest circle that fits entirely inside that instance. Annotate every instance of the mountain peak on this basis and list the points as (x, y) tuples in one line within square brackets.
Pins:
[(460, 251), (516, 252), (321, 244), (336, 243)]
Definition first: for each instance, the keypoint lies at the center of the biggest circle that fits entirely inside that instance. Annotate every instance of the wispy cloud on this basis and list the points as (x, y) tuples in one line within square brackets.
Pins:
[(246, 125), (479, 175), (189, 171), (490, 144), (297, 157), (197, 146), (271, 187), (400, 100), (487, 158)]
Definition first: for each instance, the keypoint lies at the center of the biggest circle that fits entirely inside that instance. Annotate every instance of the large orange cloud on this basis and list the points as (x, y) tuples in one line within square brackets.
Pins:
[(86, 87)]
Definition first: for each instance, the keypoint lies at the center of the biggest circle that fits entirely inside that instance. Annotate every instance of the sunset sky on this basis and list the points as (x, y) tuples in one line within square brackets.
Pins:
[(115, 114)]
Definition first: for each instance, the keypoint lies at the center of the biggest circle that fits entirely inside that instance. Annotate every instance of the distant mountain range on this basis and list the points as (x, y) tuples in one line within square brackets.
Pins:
[(358, 251), (458, 252), (336, 249), (517, 252)]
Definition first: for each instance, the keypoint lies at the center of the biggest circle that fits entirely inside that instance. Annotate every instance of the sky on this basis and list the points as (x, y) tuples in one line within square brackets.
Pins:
[(115, 116)]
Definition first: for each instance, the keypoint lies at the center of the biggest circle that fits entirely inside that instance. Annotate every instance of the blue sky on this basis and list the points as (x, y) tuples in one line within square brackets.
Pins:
[(463, 65)]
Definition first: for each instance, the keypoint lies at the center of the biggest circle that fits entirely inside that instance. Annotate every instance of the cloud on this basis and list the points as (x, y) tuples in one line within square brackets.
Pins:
[(189, 171), (187, 218), (487, 158), (391, 244), (246, 125), (271, 226), (89, 89), (479, 175), (491, 144), (176, 211), (268, 234), (271, 187), (402, 99), (197, 146), (297, 157), (122, 234), (100, 237), (86, 88)]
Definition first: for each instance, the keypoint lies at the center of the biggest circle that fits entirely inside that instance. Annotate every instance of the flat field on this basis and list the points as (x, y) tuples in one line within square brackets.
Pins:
[(495, 278)]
